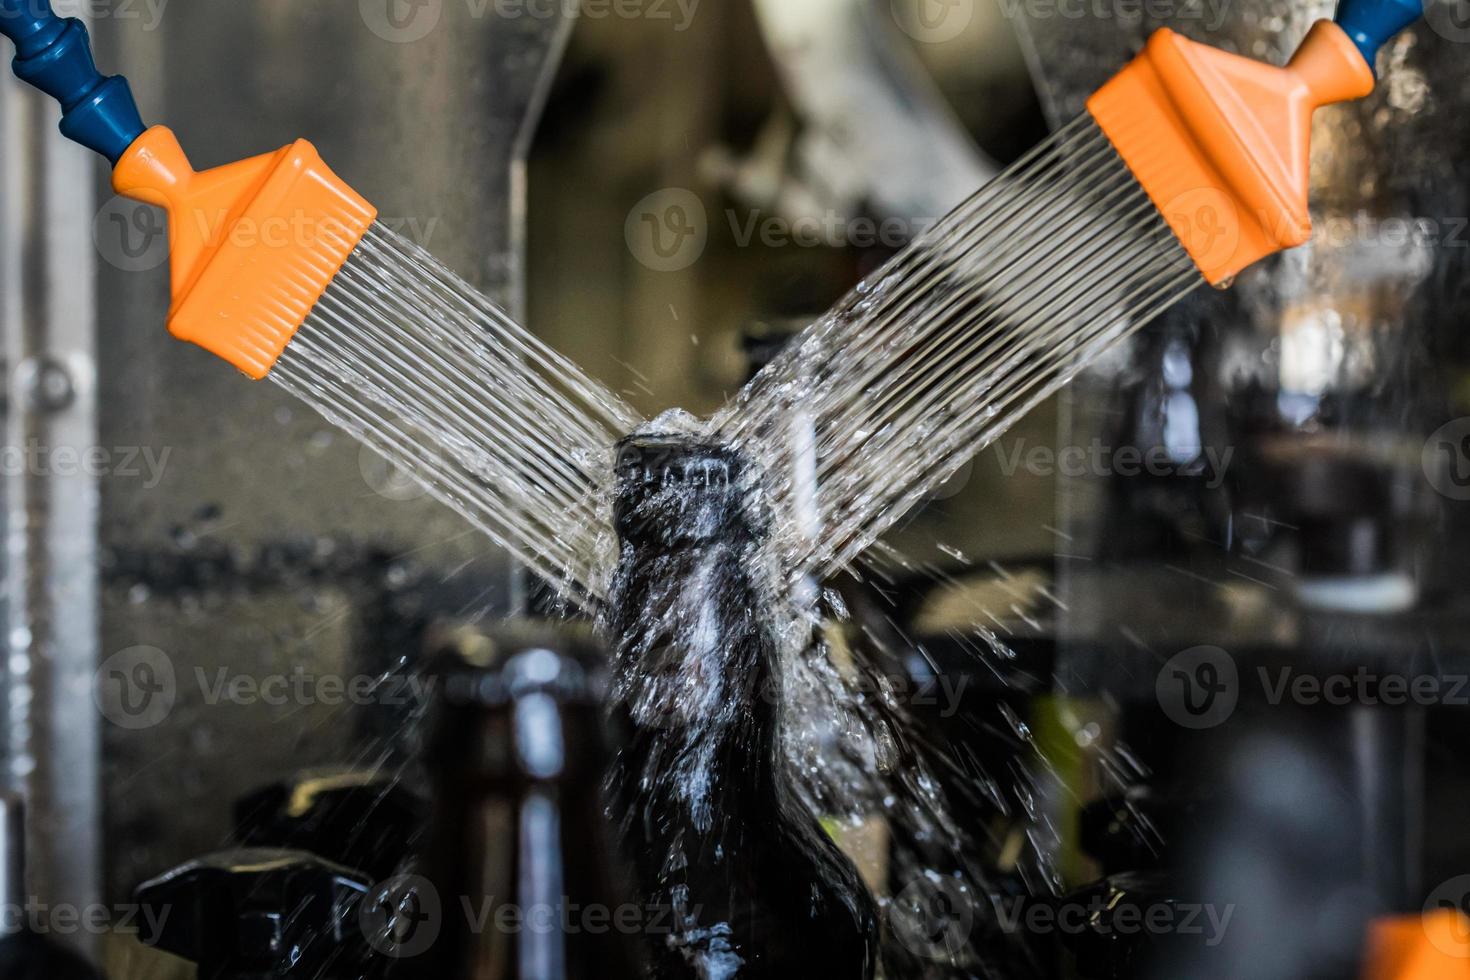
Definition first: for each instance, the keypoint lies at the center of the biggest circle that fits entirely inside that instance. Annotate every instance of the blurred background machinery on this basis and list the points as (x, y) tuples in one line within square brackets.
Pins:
[(664, 194)]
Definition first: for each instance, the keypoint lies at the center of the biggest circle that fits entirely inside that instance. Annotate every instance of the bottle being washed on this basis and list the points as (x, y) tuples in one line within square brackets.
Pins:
[(750, 885)]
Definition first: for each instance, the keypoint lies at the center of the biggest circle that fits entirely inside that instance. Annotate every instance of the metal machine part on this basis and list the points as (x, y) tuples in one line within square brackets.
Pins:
[(368, 821), (256, 913), (48, 320)]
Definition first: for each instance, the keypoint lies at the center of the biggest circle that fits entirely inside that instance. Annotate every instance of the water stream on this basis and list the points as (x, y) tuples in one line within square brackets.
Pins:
[(417, 364), (881, 400), (935, 356)]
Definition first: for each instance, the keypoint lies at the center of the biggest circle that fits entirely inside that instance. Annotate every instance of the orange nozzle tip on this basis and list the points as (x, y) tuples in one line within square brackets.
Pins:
[(1432, 946), (1221, 143), (253, 245)]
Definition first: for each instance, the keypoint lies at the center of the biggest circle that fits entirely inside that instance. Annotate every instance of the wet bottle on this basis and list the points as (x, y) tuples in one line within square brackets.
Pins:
[(522, 863), (746, 881)]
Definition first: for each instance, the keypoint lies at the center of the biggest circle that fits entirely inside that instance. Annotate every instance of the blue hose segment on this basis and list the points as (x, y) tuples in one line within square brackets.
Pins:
[(1372, 23), (55, 55)]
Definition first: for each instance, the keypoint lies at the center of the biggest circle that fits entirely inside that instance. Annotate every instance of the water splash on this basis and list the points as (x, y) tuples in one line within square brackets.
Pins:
[(962, 334), (412, 361)]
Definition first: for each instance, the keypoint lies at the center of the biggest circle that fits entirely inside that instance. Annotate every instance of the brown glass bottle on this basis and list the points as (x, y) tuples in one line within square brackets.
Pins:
[(522, 863)]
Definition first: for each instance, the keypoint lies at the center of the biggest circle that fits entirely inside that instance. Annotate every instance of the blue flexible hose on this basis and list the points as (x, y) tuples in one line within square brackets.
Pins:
[(1371, 23), (55, 55)]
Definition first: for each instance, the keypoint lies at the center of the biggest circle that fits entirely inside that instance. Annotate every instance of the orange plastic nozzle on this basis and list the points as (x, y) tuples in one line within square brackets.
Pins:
[(253, 244), (1221, 143), (1432, 946)]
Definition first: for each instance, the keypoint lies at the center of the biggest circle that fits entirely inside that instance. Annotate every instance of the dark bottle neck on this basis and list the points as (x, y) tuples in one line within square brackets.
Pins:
[(675, 493), (691, 620)]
